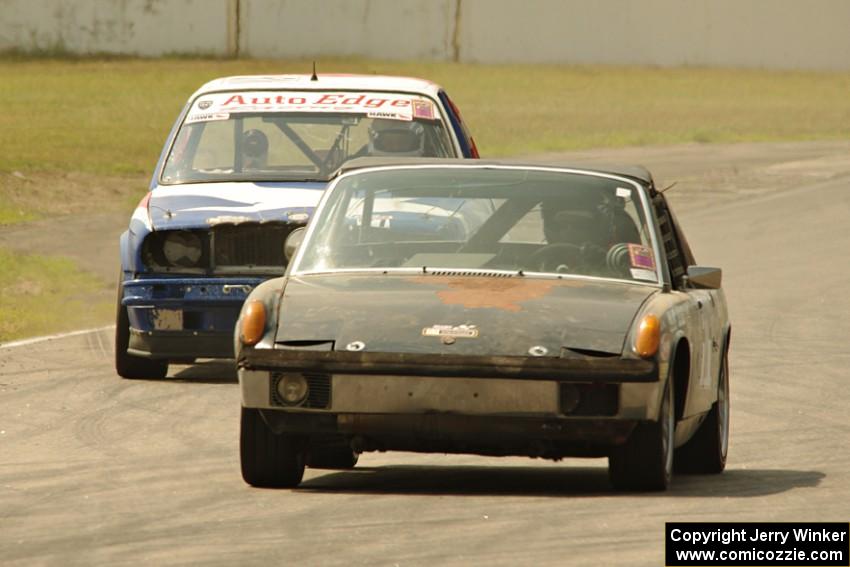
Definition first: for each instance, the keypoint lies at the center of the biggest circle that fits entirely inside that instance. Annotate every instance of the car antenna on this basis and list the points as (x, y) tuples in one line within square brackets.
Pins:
[(168, 213), (668, 187), (314, 77)]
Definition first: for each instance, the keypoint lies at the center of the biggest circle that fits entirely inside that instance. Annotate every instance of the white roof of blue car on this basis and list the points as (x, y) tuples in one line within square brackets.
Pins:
[(369, 83)]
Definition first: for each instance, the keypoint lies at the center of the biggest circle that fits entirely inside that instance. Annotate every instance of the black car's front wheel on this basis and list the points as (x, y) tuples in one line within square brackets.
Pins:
[(269, 460), (645, 461), (127, 365), (335, 456), (706, 452)]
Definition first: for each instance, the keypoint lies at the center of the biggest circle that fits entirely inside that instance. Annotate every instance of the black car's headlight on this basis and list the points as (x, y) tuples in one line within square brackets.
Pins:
[(175, 249), (292, 388)]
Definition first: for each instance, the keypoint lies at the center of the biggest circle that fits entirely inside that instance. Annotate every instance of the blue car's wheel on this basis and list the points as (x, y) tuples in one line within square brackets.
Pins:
[(127, 365)]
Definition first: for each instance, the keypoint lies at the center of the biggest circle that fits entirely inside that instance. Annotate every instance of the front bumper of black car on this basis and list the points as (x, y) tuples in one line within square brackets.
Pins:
[(550, 407)]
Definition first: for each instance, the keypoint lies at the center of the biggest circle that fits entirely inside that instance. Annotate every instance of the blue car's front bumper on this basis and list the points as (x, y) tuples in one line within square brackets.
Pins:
[(185, 318)]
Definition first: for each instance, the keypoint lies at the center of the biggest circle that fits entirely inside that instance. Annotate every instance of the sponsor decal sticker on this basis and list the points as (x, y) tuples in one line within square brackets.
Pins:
[(394, 106), (388, 115), (641, 257), (206, 117), (641, 274), (423, 109)]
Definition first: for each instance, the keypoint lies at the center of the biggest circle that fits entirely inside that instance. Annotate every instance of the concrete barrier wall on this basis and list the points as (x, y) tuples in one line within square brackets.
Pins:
[(382, 29), (131, 27), (778, 34)]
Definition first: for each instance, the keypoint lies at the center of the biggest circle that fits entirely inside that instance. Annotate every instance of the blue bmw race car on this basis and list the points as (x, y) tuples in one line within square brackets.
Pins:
[(244, 165)]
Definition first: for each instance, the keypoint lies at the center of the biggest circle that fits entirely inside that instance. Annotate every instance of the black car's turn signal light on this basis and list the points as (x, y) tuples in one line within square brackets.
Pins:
[(648, 336), (253, 322)]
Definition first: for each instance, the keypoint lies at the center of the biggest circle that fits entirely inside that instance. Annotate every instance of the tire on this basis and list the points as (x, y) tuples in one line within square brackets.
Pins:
[(645, 461), (332, 457), (268, 460), (706, 451), (127, 365)]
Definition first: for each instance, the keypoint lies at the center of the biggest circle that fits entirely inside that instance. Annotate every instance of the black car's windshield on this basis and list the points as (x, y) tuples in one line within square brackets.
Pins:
[(476, 218), (271, 136)]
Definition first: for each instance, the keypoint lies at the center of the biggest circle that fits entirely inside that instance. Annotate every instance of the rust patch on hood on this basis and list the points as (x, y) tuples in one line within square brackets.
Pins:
[(489, 293)]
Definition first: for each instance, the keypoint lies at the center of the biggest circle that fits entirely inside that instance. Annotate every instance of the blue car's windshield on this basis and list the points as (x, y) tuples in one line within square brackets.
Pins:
[(299, 136)]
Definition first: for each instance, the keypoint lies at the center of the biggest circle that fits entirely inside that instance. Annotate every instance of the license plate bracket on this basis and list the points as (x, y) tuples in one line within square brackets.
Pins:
[(168, 319)]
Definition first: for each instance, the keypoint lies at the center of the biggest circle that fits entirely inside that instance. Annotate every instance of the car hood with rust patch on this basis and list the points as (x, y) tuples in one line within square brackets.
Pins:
[(200, 205), (504, 316)]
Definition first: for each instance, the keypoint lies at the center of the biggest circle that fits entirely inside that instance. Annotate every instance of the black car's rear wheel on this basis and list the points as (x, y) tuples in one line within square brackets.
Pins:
[(127, 365), (645, 461), (269, 460), (706, 452)]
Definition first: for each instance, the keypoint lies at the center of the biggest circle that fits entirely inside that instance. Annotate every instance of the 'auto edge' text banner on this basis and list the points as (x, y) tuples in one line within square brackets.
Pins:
[(757, 543)]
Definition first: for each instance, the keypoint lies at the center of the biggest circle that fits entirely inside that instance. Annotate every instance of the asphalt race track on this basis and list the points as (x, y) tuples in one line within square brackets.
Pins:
[(99, 470)]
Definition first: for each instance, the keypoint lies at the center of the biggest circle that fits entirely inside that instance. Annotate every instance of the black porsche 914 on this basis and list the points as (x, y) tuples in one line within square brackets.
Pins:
[(491, 308)]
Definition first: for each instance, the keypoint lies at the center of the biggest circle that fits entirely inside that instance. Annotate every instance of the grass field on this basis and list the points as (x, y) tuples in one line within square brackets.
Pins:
[(111, 116), (11, 213), (82, 135), (42, 295)]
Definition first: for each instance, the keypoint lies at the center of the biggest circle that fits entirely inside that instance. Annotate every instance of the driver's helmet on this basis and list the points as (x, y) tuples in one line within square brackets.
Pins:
[(396, 138), (575, 218), (255, 149)]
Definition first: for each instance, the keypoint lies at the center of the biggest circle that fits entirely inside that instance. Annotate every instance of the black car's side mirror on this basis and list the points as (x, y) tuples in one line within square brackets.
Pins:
[(292, 242), (704, 278)]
